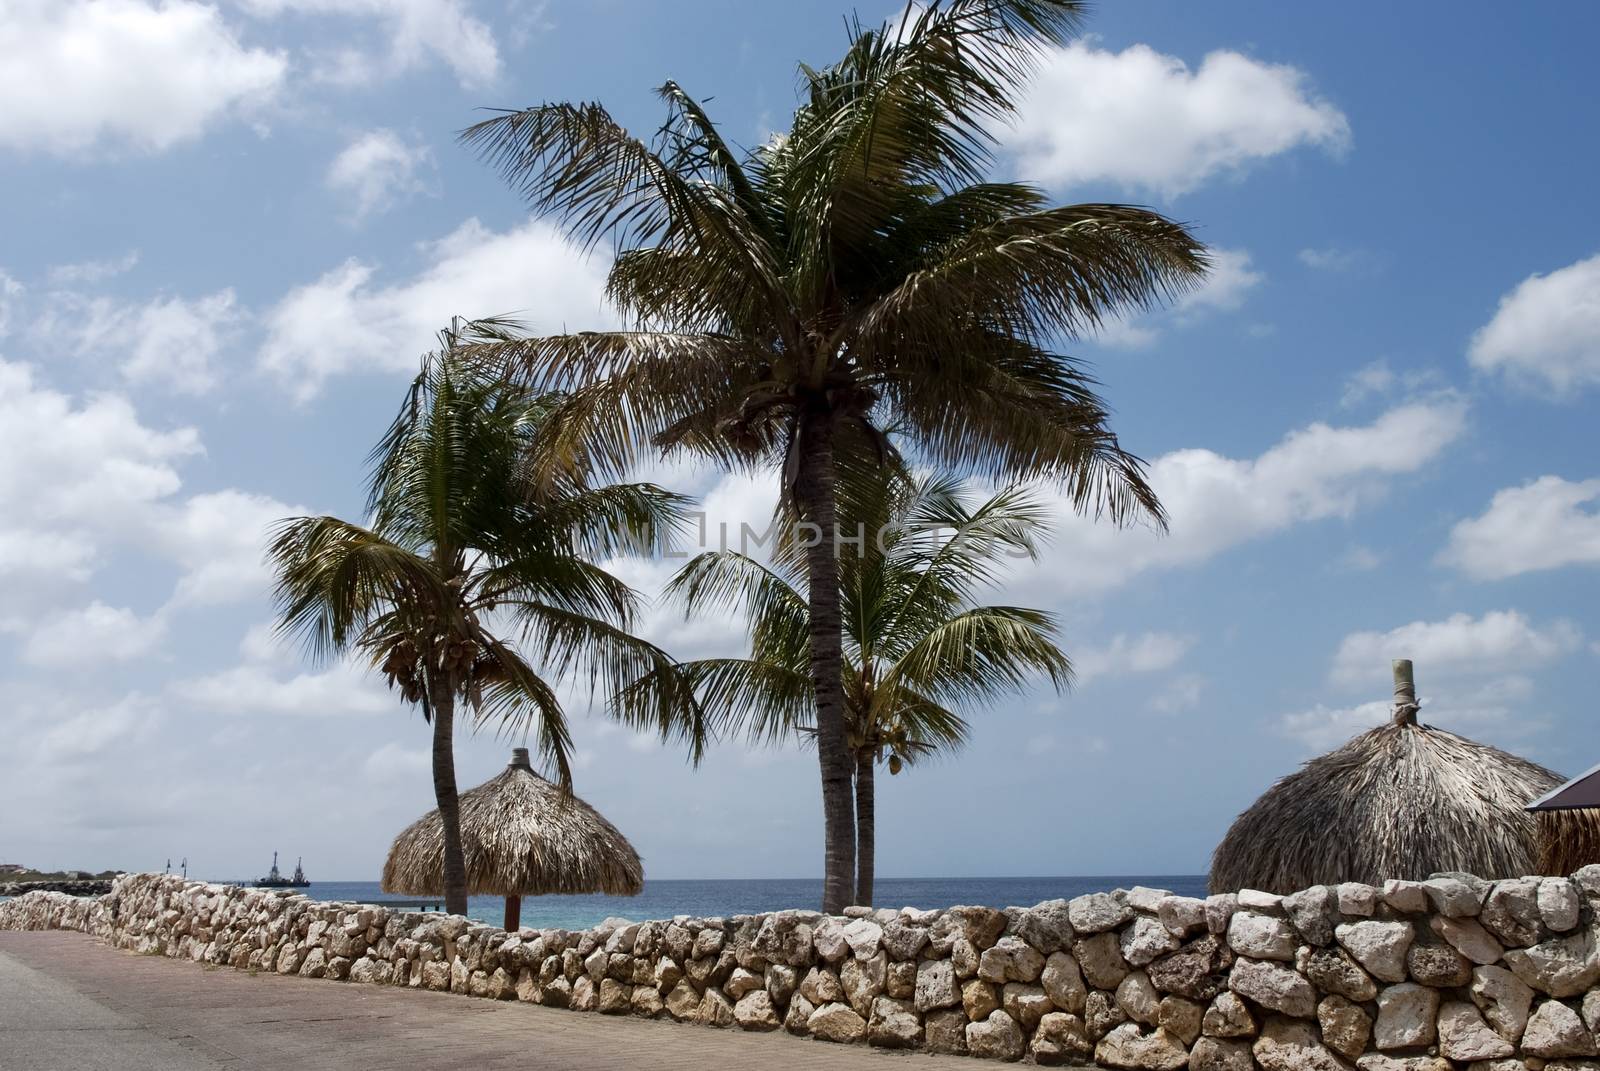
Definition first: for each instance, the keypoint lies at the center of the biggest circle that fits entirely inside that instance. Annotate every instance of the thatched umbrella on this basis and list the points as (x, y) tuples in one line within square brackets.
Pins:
[(522, 836), (1404, 800), (1569, 824)]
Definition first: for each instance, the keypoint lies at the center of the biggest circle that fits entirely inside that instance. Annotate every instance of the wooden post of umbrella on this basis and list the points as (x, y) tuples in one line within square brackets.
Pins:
[(513, 920), (1405, 693)]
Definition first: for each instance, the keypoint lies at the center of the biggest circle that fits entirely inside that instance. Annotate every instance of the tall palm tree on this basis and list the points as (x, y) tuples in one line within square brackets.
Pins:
[(919, 653), (790, 302), (459, 545)]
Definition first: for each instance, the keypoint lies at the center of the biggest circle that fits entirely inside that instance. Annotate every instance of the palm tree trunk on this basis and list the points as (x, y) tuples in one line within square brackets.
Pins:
[(443, 701), (815, 495), (866, 817)]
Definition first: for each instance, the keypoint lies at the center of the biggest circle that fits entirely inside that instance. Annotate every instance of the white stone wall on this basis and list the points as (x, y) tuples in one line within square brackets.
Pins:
[(1415, 976)]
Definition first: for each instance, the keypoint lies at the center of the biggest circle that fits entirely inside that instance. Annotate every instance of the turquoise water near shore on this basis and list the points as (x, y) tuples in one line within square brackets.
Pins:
[(664, 899)]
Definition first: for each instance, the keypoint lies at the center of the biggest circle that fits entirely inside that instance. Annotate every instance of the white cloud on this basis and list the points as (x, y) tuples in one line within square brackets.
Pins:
[(1225, 287), (219, 539), (1544, 524), (1144, 120), (93, 271), (172, 341), (391, 762), (10, 292), (1181, 693), (416, 31), (346, 321), (1359, 559), (73, 472), (378, 170), (91, 635), (1501, 641), (1215, 503), (1497, 707), (1546, 333), (82, 74), (1148, 652), (1333, 258), (266, 681)]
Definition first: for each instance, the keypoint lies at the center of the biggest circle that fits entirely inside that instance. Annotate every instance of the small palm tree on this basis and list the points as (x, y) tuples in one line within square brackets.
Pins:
[(858, 272), (919, 653), (459, 547)]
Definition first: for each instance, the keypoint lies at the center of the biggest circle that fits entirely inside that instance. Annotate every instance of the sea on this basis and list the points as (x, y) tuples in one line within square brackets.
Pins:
[(662, 899)]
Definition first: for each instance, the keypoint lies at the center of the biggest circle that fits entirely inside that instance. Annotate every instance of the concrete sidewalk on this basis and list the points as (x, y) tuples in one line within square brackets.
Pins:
[(70, 1003)]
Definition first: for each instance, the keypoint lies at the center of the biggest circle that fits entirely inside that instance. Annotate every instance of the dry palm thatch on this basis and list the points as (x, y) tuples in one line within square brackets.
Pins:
[(522, 836), (1404, 800), (1569, 825)]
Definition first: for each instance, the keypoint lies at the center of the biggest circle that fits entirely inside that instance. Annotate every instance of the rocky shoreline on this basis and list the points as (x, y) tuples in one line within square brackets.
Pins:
[(76, 887), (1440, 975)]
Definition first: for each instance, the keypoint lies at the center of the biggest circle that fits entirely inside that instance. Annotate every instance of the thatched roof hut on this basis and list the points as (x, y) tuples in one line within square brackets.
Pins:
[(1404, 800), (522, 836), (1569, 824)]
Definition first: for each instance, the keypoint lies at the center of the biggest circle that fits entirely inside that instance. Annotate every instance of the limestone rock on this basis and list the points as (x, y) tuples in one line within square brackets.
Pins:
[(1096, 913), (1139, 998), (980, 926), (901, 980), (1407, 1015), (864, 938), (1558, 904), (1182, 915), (585, 996), (1063, 983), (979, 998), (1256, 936), (1405, 896), (1047, 926), (1356, 898), (1010, 959), (783, 938), (797, 1019), (829, 940), (682, 1001), (1469, 937), (1025, 1003), (1101, 1012), (1591, 1009), (1380, 947), (1129, 1047), (1374, 1061), (1561, 967), (1452, 897), (782, 981), (936, 985), (1511, 911), (647, 1001), (836, 1022), (1439, 966), (904, 941), (1463, 1035), (894, 1024), (615, 998), (1146, 939), (1314, 913), (1292, 1045), (1274, 986), (1100, 957), (1193, 971), (997, 1037), (1504, 999), (1181, 1018), (945, 1031), (1144, 899), (1228, 1017), (1219, 911), (821, 986), (741, 982), (863, 980), (1260, 900), (1215, 1054), (1059, 1038), (1346, 1029), (1555, 1031), (1333, 971)]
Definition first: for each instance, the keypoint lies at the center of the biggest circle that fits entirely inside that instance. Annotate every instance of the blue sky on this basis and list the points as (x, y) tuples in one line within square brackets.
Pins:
[(231, 228)]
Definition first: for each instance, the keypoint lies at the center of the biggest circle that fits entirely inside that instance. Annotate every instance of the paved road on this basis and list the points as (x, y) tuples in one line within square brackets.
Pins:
[(70, 1003)]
